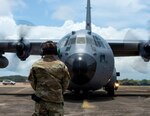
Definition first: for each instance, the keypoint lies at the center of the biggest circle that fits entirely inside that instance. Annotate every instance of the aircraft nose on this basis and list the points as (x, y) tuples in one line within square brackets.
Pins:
[(79, 66), (82, 68)]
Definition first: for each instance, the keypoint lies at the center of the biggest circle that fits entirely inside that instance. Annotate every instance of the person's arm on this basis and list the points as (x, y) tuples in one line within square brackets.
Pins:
[(66, 79), (31, 78)]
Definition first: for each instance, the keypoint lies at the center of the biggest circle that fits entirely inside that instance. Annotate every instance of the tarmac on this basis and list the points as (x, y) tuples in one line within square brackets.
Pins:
[(15, 100)]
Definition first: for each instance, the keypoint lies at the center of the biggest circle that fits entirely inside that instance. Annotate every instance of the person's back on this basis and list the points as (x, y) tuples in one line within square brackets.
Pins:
[(49, 78), (51, 75)]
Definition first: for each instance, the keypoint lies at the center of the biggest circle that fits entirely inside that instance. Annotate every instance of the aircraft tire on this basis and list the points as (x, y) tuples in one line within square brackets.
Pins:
[(110, 91), (77, 92)]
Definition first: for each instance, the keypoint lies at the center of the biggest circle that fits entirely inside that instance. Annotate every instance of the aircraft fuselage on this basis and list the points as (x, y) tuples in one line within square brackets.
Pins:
[(89, 59)]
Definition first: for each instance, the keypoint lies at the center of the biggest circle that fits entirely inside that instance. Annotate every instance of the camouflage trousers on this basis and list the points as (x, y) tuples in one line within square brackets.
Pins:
[(48, 109)]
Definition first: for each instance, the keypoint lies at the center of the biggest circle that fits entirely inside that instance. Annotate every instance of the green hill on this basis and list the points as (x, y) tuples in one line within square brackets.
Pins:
[(16, 78), (134, 82)]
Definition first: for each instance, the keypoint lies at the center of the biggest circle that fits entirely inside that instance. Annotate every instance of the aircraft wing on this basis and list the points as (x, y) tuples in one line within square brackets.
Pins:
[(125, 48), (23, 49), (141, 48), (12, 46)]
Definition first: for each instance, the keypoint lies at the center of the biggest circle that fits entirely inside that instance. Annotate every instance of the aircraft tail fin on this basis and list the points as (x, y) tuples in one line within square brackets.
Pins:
[(88, 16)]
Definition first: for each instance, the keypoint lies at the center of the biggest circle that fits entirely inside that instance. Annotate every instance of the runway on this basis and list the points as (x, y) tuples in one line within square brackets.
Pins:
[(129, 101)]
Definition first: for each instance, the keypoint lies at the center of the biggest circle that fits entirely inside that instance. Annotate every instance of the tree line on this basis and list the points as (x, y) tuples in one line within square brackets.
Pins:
[(18, 78), (134, 82)]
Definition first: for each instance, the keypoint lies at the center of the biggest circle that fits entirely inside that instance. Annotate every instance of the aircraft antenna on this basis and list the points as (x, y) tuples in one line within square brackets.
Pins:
[(88, 16)]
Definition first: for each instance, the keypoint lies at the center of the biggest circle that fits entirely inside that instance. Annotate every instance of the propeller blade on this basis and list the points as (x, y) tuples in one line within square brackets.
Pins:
[(140, 66), (24, 28), (23, 46)]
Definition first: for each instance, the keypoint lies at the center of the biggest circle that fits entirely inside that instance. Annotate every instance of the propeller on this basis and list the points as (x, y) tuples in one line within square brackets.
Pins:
[(24, 27), (140, 64), (23, 46)]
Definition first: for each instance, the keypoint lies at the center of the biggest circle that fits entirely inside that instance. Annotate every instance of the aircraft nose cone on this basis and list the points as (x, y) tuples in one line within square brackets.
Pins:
[(82, 68), (79, 66)]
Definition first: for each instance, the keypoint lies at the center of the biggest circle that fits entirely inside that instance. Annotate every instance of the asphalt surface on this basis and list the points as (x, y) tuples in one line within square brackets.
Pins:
[(129, 101)]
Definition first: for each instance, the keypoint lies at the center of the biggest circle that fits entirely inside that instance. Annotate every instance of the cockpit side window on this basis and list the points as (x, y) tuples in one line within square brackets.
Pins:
[(90, 41), (98, 42), (67, 42), (64, 41), (73, 40)]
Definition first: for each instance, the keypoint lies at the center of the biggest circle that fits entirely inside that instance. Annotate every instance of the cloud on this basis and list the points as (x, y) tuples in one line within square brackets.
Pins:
[(114, 13), (7, 6), (127, 69), (8, 27), (50, 1), (120, 14), (54, 32), (63, 13), (128, 5)]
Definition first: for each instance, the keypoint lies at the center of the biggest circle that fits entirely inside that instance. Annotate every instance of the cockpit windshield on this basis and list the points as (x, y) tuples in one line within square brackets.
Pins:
[(81, 40), (69, 40)]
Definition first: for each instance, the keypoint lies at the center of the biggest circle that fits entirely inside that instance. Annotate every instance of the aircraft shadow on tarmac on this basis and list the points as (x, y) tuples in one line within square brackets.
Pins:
[(100, 96), (96, 96), (92, 96)]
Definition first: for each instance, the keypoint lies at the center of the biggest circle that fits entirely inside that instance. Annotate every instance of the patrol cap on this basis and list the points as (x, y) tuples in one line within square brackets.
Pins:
[(49, 48)]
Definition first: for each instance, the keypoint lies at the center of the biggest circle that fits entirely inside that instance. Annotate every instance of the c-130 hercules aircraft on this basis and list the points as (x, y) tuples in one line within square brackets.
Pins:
[(89, 57)]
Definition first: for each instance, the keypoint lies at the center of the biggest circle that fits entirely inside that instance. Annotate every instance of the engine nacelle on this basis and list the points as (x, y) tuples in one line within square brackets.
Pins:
[(23, 48), (3, 62), (145, 51)]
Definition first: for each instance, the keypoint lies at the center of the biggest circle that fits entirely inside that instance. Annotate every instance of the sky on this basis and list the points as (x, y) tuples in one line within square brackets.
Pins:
[(52, 19)]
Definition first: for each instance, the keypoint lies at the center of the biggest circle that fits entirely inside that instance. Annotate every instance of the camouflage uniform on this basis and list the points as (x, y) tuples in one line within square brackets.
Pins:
[(49, 78)]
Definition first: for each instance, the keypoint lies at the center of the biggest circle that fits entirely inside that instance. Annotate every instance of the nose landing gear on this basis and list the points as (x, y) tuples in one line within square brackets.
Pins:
[(111, 88)]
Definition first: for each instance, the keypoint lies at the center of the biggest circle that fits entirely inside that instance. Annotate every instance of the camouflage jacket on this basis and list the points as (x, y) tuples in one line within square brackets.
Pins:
[(49, 77)]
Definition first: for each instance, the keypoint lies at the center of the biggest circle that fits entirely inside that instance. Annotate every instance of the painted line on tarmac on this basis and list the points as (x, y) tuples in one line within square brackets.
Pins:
[(20, 90), (87, 105), (2, 104), (133, 90)]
